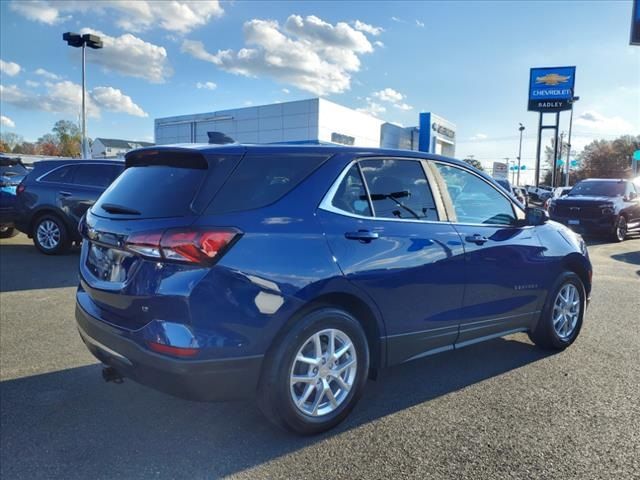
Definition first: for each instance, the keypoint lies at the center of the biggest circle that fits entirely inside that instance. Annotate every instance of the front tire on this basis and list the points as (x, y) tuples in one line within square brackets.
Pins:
[(50, 235), (620, 229), (561, 318), (7, 232), (316, 374)]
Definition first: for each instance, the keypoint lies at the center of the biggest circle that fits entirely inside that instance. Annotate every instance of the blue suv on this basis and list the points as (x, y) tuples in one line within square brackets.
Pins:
[(294, 273)]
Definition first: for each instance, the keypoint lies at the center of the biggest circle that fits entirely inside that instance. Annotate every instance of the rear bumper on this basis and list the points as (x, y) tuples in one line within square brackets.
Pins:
[(202, 380)]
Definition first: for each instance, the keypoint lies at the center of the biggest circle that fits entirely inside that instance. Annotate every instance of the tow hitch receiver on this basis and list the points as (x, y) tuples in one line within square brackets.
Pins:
[(110, 374)]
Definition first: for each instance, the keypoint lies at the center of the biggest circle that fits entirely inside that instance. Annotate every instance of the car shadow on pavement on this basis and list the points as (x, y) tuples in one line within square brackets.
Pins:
[(629, 257), (70, 424), (23, 267)]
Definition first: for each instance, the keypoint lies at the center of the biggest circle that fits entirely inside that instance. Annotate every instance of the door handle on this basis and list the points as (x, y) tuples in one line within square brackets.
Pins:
[(65, 194), (363, 235), (477, 239)]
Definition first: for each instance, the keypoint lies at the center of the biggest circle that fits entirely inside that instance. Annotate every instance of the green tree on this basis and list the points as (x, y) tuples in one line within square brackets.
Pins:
[(11, 139), (608, 159), (4, 148), (474, 163), (48, 145), (68, 138)]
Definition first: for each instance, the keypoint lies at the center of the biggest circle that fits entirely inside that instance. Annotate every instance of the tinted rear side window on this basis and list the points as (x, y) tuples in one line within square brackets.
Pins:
[(261, 180), (60, 175), (155, 191), (95, 175)]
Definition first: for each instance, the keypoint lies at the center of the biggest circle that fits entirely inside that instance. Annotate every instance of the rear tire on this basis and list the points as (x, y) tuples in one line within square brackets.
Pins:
[(329, 388), (8, 232), (50, 235), (561, 318)]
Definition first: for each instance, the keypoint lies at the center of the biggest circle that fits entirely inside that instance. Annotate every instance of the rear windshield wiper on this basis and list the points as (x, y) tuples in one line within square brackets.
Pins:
[(113, 208)]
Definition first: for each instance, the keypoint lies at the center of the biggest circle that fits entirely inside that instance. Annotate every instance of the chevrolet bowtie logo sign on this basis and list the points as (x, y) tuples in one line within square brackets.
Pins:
[(551, 88), (552, 79)]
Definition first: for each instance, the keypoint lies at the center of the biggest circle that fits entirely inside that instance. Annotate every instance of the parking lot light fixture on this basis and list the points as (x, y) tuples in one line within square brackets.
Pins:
[(92, 41)]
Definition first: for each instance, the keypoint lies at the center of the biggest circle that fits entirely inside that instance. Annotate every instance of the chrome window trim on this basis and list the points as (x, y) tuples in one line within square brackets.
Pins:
[(326, 203), (71, 164)]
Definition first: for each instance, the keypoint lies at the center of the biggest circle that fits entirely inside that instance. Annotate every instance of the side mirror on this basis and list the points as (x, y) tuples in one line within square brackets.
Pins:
[(633, 196), (536, 216)]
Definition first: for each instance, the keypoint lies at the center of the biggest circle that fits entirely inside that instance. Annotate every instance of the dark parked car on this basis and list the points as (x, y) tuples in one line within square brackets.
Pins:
[(53, 197), (294, 273), (600, 206), (12, 171), (517, 194)]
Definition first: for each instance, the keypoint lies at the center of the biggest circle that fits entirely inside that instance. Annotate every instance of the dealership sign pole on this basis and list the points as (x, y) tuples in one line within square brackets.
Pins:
[(550, 91)]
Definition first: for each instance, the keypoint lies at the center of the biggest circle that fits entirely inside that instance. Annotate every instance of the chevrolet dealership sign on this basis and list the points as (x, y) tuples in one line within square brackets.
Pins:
[(551, 89)]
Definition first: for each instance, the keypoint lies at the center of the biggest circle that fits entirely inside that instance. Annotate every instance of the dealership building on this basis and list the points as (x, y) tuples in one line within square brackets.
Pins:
[(312, 121)]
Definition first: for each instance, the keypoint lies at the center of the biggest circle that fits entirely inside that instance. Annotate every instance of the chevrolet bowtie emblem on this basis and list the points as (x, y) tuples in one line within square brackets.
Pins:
[(553, 79)]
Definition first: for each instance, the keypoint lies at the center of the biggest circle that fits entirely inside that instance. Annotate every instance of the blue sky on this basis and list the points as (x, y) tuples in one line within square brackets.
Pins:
[(467, 61)]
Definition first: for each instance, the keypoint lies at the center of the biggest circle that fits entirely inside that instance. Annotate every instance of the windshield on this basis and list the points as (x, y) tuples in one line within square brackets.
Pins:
[(598, 189)]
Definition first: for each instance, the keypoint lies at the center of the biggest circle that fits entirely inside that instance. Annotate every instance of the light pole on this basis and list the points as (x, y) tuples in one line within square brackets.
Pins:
[(92, 41), (566, 178), (521, 128)]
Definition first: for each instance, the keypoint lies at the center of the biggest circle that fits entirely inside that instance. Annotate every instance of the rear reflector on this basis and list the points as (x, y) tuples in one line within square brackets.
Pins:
[(200, 246), (174, 351), (21, 188)]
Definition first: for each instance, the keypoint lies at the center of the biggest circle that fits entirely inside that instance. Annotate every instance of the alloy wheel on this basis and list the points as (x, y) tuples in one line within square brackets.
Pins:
[(48, 234), (323, 372), (566, 310)]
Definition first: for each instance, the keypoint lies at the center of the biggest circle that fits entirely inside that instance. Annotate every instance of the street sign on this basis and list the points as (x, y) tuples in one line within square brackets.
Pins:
[(500, 170), (551, 88)]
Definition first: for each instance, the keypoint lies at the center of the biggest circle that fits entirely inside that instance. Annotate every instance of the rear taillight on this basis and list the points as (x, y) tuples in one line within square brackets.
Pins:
[(21, 188), (200, 246), (173, 351)]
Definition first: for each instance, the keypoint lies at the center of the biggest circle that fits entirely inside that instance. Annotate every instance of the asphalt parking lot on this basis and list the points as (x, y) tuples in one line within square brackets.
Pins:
[(502, 409)]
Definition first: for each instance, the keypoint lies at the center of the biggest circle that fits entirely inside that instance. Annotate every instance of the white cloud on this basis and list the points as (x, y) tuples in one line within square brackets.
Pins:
[(9, 68), (7, 122), (365, 27), (403, 106), (419, 23), (131, 56), (307, 53), (378, 44), (389, 95), (206, 85), (372, 107), (39, 11), (32, 84), (602, 124), (46, 74), (114, 100), (286, 90), (397, 20), (138, 15), (478, 136), (66, 97), (395, 98)]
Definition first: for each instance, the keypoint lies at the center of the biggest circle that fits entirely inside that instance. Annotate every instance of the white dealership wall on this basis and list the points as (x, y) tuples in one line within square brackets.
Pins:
[(315, 120)]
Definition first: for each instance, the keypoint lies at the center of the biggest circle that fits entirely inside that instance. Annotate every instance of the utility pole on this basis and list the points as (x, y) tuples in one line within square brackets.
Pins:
[(93, 41), (566, 180), (555, 166), (521, 128)]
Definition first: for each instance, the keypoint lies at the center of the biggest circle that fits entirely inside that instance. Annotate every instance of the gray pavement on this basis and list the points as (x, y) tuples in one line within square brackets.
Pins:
[(502, 409)]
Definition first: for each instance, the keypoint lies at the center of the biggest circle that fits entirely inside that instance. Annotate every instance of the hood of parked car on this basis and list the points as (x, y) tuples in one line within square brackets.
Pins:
[(584, 200)]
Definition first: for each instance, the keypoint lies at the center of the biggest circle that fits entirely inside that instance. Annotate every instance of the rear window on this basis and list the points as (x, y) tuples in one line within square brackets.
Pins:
[(261, 180), (154, 191)]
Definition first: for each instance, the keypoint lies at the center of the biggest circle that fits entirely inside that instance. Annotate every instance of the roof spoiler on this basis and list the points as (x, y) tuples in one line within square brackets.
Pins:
[(169, 157), (219, 138)]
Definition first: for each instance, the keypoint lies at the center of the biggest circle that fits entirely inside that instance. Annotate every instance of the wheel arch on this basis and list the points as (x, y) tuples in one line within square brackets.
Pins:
[(578, 265), (357, 307), (49, 210)]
